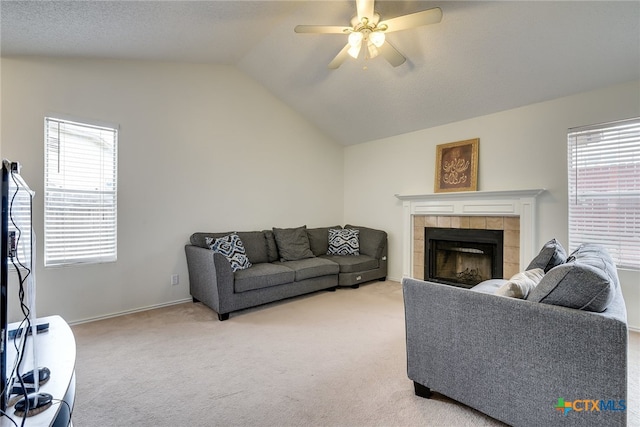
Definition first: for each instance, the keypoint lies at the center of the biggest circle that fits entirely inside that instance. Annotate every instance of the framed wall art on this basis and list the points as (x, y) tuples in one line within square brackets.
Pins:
[(457, 166)]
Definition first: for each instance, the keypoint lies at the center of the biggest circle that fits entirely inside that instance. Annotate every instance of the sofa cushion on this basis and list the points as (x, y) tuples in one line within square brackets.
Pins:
[(319, 239), (255, 244), (310, 267), (489, 286), (262, 276), (293, 243), (372, 242), (588, 281), (343, 241), (354, 263), (521, 284), (551, 255), (232, 249)]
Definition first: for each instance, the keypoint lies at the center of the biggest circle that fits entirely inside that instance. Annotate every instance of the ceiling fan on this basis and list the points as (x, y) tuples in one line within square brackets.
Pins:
[(368, 31)]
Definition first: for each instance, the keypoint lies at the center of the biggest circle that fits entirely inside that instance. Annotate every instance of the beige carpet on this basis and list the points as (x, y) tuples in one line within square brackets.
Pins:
[(327, 359)]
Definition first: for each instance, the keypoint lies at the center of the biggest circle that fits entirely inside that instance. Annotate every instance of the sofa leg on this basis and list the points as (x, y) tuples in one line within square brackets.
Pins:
[(332, 289), (382, 279), (421, 390), (356, 286), (223, 317)]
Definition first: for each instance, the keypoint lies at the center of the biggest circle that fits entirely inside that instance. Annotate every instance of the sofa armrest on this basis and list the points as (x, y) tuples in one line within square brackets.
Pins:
[(373, 242), (513, 359), (210, 278)]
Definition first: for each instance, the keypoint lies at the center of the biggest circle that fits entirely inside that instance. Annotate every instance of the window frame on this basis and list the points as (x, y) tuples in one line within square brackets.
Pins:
[(603, 183), (80, 191)]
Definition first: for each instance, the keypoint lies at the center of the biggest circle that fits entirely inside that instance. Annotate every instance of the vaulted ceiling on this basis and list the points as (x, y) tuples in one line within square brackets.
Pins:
[(483, 57)]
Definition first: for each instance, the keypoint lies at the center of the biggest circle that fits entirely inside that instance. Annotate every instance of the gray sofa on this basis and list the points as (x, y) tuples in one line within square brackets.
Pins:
[(283, 263), (557, 357)]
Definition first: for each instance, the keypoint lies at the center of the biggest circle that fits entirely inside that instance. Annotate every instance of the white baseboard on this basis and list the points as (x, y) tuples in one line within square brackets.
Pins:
[(135, 310)]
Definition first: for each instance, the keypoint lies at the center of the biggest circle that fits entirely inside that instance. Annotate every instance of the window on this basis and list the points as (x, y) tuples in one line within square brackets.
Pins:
[(604, 189), (80, 174)]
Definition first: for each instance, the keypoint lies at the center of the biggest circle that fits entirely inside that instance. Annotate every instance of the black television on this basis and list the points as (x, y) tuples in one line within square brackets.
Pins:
[(17, 255)]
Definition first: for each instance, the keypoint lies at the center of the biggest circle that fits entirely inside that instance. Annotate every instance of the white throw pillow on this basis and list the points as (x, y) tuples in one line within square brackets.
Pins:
[(521, 284)]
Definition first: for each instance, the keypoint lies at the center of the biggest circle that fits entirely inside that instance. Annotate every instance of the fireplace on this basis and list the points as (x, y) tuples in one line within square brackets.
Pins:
[(462, 257), (513, 211)]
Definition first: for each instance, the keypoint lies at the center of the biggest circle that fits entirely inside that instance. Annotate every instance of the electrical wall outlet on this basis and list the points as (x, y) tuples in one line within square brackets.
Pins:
[(175, 279)]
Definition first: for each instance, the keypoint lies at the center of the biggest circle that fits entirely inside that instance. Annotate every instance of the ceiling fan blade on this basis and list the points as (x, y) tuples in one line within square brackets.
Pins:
[(365, 9), (340, 57), (321, 29), (426, 17), (391, 54)]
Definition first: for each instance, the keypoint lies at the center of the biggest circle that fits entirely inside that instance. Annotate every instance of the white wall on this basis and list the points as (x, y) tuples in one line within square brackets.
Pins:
[(523, 148), (205, 148), (201, 148)]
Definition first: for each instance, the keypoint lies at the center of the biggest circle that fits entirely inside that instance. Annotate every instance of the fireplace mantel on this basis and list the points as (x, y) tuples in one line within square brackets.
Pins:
[(472, 195), (520, 203)]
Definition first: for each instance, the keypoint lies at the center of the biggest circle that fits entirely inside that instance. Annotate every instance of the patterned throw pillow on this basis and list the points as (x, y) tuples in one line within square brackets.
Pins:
[(344, 241), (232, 249)]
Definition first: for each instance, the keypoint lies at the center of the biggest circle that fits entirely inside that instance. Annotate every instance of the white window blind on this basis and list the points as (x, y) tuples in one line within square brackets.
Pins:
[(604, 189), (80, 218)]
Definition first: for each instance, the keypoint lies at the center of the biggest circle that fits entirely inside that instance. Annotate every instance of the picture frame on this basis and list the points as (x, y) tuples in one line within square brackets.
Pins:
[(457, 166)]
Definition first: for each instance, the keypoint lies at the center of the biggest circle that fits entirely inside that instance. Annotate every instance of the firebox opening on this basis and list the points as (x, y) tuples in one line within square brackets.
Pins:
[(463, 257)]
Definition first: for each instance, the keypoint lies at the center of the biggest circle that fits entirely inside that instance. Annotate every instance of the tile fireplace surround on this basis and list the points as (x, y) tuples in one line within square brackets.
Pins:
[(514, 212)]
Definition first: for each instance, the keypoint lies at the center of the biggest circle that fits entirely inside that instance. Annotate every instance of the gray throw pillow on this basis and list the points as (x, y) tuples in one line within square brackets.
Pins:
[(575, 285), (293, 243), (551, 255), (272, 247), (319, 239)]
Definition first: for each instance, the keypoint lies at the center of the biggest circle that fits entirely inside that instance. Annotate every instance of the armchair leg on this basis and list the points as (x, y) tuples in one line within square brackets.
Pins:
[(195, 299), (223, 317), (421, 390)]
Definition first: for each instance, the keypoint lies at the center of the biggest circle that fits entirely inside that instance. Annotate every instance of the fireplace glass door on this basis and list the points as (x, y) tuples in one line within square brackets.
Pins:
[(463, 257)]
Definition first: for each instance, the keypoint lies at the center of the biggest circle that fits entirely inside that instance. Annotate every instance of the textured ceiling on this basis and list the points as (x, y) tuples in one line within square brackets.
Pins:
[(482, 58)]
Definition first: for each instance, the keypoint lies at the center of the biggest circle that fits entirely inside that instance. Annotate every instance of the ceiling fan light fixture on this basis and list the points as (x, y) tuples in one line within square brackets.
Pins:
[(354, 51), (355, 38), (355, 43), (377, 38), (372, 50)]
